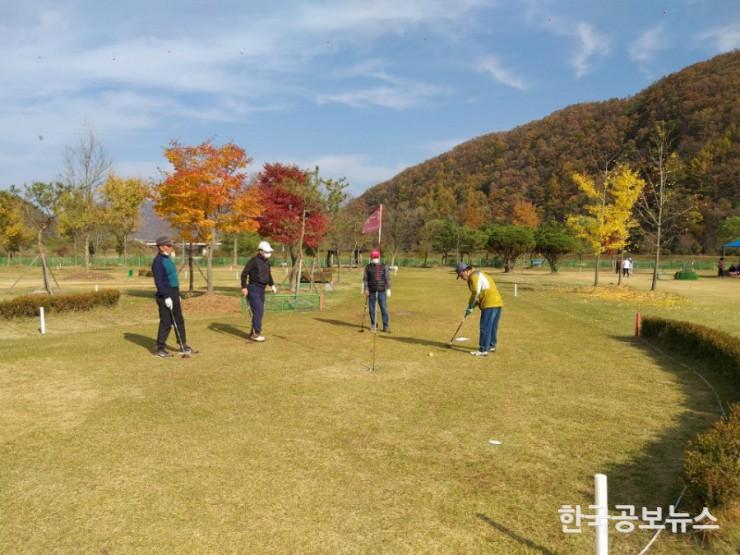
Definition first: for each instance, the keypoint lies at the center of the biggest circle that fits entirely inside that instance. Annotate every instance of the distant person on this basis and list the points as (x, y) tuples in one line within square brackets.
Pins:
[(721, 266), (168, 298), (376, 285), (626, 267), (485, 295), (631, 267), (256, 276)]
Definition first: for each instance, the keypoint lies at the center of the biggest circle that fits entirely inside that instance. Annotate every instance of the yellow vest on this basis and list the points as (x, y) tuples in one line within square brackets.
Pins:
[(483, 291)]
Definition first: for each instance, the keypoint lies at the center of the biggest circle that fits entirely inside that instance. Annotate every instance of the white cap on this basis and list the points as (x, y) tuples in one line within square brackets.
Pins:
[(264, 246)]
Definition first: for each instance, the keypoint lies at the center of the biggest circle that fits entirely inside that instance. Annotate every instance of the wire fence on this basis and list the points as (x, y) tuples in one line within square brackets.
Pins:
[(585, 263)]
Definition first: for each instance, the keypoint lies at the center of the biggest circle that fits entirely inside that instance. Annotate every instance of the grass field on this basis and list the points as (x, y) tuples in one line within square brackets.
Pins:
[(293, 446)]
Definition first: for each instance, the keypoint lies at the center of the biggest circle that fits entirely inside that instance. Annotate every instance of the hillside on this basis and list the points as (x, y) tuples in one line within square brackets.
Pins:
[(535, 161)]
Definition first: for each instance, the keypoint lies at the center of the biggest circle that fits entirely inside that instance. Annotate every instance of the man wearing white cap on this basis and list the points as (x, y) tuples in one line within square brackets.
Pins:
[(255, 277)]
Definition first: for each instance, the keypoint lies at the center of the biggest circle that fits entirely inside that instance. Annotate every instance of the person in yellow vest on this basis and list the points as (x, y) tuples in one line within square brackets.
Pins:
[(485, 295)]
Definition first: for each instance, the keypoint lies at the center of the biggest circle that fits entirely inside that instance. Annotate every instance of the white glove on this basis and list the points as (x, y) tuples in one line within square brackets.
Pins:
[(388, 292), (168, 303), (274, 289)]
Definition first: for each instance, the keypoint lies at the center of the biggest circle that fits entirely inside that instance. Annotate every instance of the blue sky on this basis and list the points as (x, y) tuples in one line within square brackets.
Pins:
[(363, 88)]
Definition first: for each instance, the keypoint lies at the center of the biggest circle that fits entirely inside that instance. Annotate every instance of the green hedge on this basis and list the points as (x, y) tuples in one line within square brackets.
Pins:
[(712, 464), (720, 349), (28, 305)]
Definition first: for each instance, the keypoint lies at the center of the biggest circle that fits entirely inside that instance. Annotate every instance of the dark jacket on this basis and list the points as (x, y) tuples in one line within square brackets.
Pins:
[(165, 276), (257, 272), (376, 278)]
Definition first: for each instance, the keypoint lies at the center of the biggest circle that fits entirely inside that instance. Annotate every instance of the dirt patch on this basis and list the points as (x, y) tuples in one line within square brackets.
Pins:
[(89, 276), (627, 294), (211, 304)]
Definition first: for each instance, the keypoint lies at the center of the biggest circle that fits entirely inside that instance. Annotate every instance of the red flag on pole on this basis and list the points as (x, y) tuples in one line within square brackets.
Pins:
[(374, 222)]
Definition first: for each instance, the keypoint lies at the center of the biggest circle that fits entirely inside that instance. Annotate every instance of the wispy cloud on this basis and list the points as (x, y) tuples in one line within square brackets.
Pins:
[(591, 44), (648, 44), (359, 169), (722, 39), (491, 65), (397, 97)]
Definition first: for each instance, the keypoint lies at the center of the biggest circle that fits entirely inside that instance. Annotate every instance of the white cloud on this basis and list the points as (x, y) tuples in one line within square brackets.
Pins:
[(397, 96), (358, 169), (722, 39), (591, 44), (490, 65), (647, 46)]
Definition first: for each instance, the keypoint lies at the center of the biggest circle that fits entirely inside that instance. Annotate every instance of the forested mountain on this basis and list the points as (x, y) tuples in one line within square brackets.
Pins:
[(480, 181)]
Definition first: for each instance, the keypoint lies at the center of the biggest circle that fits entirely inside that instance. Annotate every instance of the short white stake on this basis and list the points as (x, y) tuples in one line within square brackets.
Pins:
[(42, 329), (601, 502), (516, 289), (96, 287)]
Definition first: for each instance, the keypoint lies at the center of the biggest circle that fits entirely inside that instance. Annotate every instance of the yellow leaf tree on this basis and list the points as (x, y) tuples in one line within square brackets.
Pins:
[(607, 218), (123, 199), (207, 194)]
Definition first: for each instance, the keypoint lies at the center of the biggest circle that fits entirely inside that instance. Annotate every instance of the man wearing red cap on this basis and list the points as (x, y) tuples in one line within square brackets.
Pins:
[(377, 286)]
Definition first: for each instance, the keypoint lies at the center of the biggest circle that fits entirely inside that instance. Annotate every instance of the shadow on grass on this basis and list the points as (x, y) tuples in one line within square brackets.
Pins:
[(650, 478), (148, 343), (142, 293), (513, 535), (426, 342), (338, 323), (228, 329)]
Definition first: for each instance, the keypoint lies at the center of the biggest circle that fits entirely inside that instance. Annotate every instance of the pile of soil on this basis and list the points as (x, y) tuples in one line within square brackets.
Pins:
[(211, 304), (89, 276)]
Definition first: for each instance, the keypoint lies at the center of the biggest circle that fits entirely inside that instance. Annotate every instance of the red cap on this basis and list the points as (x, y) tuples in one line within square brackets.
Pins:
[(375, 253)]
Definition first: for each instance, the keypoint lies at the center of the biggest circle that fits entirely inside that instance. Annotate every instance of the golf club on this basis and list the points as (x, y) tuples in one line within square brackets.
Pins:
[(454, 336), (183, 352), (364, 311)]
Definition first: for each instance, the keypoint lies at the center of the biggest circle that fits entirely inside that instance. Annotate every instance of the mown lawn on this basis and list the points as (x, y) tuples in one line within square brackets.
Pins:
[(294, 446)]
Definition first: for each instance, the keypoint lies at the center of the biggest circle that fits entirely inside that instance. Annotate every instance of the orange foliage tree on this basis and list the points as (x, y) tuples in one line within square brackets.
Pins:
[(207, 194)]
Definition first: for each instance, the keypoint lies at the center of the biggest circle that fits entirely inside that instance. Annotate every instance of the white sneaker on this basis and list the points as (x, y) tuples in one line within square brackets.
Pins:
[(492, 350), (258, 338), (479, 353)]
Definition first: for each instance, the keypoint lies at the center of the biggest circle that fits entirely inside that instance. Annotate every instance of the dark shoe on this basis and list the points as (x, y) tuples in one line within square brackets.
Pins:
[(387, 329), (162, 353)]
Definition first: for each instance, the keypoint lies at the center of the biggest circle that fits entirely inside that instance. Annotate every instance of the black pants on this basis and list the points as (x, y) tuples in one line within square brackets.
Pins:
[(256, 299), (165, 321)]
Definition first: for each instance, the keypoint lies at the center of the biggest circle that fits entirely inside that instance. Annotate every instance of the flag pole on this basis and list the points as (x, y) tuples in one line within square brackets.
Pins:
[(380, 227)]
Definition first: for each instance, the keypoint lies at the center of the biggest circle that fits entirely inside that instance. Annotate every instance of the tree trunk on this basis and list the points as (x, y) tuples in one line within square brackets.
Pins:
[(44, 267), (620, 265), (190, 267), (654, 284), (236, 254), (596, 271), (86, 253), (209, 264), (125, 249), (299, 263)]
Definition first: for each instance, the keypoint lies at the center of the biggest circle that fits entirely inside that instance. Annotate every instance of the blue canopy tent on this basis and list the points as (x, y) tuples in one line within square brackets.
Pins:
[(732, 244)]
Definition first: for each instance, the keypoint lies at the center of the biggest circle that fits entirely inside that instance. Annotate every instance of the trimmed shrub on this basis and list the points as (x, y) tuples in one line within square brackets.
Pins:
[(686, 274), (712, 463), (720, 349), (28, 305)]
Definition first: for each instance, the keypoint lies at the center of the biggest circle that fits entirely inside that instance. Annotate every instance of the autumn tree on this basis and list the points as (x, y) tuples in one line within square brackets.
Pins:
[(293, 212), (662, 204), (552, 241), (85, 168), (509, 242), (206, 194), (43, 200), (122, 200), (338, 225), (525, 214), (607, 216), (14, 231)]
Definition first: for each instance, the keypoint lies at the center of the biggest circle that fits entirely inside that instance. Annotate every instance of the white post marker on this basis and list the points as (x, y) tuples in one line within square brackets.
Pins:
[(96, 287), (601, 501), (516, 289), (42, 329)]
